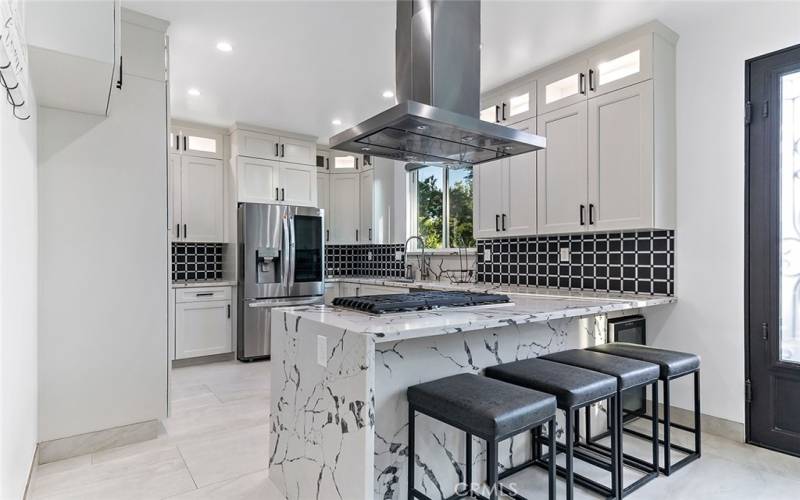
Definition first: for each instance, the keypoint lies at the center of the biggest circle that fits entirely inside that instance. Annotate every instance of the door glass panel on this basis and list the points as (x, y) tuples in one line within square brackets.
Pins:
[(562, 88), (489, 114), (618, 68), (519, 104), (790, 217), (205, 144), (344, 162), (308, 248)]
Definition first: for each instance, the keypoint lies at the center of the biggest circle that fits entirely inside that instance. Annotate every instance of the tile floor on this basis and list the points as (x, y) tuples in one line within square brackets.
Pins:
[(215, 448)]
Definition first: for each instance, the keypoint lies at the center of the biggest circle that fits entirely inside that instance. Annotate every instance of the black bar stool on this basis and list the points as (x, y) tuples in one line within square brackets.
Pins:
[(574, 388), (673, 365), (489, 409), (630, 374)]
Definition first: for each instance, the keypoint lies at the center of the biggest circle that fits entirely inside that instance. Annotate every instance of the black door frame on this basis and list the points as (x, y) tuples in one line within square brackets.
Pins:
[(760, 271)]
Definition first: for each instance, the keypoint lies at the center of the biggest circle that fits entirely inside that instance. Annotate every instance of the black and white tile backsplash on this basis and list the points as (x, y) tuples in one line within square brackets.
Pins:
[(376, 261), (631, 262), (197, 261)]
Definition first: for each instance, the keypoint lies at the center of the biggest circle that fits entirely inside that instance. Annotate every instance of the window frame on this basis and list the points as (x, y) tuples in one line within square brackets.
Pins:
[(412, 212)]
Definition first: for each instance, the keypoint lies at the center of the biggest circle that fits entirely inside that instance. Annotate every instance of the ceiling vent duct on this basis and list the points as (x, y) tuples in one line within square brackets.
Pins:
[(437, 60)]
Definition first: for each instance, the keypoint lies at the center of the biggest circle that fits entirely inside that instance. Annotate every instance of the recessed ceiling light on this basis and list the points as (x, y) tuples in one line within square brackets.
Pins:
[(388, 94), (336, 121), (224, 47), (194, 92)]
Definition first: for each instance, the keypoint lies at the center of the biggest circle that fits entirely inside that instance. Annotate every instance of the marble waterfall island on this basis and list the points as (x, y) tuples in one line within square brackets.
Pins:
[(338, 407)]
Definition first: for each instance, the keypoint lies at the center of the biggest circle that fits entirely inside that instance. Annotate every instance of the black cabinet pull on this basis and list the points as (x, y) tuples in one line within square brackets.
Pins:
[(184, 143), (356, 234), (178, 230), (327, 235), (591, 80), (582, 83), (497, 113), (276, 149), (504, 111), (591, 213), (119, 82), (582, 212), (277, 194), (327, 163), (370, 234), (229, 310), (177, 142), (283, 194), (204, 294), (356, 163), (185, 234), (283, 150), (497, 222), (504, 222)]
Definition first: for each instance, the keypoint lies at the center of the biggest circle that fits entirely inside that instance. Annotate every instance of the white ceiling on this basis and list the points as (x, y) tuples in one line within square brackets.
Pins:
[(296, 65)]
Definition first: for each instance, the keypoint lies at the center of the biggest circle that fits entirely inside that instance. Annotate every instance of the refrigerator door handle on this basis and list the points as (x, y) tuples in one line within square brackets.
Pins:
[(285, 302), (292, 253), (285, 257)]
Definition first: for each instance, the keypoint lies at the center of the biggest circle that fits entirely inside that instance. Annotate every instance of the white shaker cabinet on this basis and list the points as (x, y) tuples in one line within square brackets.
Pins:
[(562, 170), (298, 184), (297, 151), (323, 201), (202, 196), (563, 84), (622, 63), (621, 168), (505, 194), (510, 104), (203, 324), (257, 180), (196, 142), (344, 208)]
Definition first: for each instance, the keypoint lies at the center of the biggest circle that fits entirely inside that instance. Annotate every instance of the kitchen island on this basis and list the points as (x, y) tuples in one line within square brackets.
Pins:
[(338, 408)]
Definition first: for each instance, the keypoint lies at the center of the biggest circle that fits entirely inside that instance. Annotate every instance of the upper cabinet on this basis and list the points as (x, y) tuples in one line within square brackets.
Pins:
[(510, 104), (343, 163), (562, 85), (274, 167), (618, 65), (74, 51), (196, 199), (196, 142)]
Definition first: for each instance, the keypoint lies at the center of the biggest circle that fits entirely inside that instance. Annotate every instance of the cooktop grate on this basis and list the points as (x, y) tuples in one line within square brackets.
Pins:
[(418, 301)]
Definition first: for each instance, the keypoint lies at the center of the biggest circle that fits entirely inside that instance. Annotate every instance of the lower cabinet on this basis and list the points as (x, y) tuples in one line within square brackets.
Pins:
[(203, 324)]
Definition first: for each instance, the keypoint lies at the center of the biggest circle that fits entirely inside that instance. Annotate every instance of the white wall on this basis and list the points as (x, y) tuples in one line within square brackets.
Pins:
[(103, 255), (18, 341), (709, 260)]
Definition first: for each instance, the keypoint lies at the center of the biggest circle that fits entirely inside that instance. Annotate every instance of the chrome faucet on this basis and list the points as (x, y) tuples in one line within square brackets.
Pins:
[(423, 267)]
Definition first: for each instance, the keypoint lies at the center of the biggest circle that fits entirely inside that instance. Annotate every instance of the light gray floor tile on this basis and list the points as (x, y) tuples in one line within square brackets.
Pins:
[(227, 455)]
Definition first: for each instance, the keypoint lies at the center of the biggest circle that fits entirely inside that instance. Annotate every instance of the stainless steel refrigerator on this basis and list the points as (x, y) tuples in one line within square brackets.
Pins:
[(281, 263)]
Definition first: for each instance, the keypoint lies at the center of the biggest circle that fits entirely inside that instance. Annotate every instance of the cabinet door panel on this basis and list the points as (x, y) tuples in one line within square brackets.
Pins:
[(621, 158), (562, 169), (202, 198), (198, 142), (345, 162), (202, 329), (623, 65), (323, 201), (298, 184), (344, 200), (297, 151), (520, 103), (520, 190), (488, 202), (562, 85), (256, 145), (174, 189), (257, 179), (366, 180)]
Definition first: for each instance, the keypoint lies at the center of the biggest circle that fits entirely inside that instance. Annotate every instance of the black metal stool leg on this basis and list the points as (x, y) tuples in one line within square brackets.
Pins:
[(411, 453), (536, 446), (569, 447), (588, 424), (616, 487), (654, 429), (667, 441), (697, 412), (491, 469), (468, 463), (551, 452)]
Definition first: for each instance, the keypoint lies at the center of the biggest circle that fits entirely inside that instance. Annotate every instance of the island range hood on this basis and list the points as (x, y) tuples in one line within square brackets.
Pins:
[(437, 59)]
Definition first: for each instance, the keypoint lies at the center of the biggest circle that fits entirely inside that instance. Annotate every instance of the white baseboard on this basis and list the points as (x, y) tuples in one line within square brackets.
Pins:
[(31, 473), (91, 442)]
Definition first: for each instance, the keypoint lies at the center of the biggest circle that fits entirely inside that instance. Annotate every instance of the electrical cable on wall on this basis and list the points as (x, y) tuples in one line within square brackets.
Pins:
[(13, 59)]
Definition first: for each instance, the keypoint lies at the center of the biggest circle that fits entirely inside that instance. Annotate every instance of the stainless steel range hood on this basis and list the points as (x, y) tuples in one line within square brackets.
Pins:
[(437, 59)]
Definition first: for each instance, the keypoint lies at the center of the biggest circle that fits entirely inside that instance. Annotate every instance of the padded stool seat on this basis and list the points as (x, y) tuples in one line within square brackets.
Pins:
[(482, 406), (572, 386), (629, 372), (672, 363)]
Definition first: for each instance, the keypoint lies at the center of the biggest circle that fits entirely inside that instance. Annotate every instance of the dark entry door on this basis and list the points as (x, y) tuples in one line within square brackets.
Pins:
[(772, 250)]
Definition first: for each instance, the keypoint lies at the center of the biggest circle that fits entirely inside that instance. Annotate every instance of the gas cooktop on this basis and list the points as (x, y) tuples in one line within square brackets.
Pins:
[(419, 301)]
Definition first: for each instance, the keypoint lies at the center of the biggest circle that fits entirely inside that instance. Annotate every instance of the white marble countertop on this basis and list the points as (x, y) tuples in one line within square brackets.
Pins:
[(200, 284), (529, 305)]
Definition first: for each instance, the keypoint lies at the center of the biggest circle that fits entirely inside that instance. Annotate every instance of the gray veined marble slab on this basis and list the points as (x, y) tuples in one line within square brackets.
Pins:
[(339, 413)]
